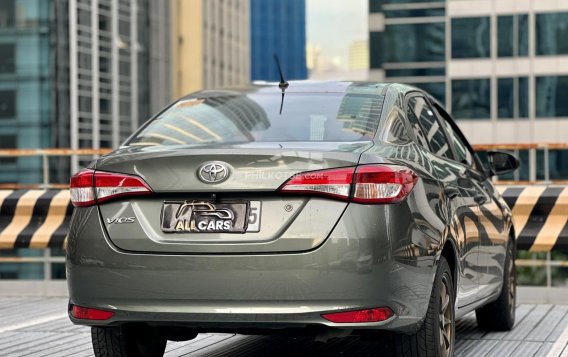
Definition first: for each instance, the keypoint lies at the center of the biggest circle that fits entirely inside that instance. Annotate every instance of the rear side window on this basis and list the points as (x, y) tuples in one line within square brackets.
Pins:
[(419, 111), (463, 154), (229, 117)]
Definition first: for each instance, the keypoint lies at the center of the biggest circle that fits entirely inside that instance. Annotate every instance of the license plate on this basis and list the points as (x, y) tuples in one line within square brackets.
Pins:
[(210, 217)]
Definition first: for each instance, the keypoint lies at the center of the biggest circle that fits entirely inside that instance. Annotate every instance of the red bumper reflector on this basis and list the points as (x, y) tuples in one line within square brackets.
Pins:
[(360, 316), (85, 313)]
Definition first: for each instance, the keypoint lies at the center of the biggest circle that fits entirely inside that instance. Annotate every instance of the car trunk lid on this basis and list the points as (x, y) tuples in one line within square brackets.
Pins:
[(276, 222)]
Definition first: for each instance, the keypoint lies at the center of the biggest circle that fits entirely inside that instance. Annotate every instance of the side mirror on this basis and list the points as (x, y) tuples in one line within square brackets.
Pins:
[(502, 162)]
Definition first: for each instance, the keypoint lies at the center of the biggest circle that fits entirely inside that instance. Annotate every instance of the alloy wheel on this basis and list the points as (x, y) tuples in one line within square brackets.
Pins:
[(446, 319)]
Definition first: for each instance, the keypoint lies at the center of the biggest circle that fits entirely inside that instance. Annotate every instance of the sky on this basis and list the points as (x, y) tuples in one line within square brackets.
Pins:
[(333, 25)]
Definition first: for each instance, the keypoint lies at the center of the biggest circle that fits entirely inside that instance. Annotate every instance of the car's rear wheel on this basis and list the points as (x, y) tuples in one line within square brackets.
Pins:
[(436, 337), (499, 315), (127, 340)]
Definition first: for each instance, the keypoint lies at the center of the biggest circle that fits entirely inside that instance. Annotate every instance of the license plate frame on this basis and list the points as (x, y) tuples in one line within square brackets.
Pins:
[(200, 216)]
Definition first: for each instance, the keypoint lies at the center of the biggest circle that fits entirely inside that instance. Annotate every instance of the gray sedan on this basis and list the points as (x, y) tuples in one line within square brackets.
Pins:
[(317, 208)]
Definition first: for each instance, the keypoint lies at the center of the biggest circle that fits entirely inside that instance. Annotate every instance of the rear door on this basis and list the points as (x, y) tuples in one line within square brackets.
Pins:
[(459, 195)]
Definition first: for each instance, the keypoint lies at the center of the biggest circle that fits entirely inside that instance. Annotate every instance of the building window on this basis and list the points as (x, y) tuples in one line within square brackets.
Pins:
[(125, 109), (7, 60), (8, 142), (375, 55), (104, 106), (58, 271), (470, 37), (83, 17), (85, 104), (513, 97), (84, 60), (471, 98), (7, 13), (375, 5), (436, 89), (558, 164), (124, 68), (104, 64), (428, 12), (551, 93), (7, 104), (104, 23), (416, 72), (123, 28), (513, 36), (552, 34), (413, 43)]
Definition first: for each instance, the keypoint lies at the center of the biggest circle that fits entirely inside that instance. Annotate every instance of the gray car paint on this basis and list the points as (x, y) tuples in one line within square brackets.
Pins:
[(371, 256)]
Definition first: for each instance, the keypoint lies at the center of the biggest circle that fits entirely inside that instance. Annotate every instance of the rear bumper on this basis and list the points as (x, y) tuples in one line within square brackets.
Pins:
[(235, 292)]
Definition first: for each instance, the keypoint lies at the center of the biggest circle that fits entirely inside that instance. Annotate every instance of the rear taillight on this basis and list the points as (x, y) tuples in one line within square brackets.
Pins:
[(334, 183), (360, 316), (87, 313), (89, 187), (369, 184), (382, 183)]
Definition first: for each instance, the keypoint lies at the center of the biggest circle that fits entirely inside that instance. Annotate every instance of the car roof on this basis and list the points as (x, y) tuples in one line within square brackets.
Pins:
[(309, 86)]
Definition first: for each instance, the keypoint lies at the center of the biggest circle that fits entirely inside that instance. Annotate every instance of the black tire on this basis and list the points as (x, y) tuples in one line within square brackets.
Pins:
[(499, 315), (126, 341), (429, 340)]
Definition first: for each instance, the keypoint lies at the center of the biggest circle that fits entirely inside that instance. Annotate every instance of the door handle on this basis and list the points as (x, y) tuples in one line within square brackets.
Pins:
[(451, 191)]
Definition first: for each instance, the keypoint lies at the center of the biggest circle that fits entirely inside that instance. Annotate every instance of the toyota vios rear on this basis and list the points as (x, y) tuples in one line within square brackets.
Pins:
[(252, 212)]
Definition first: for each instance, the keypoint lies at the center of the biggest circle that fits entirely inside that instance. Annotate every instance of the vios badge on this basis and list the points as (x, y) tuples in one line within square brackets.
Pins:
[(121, 220), (213, 172)]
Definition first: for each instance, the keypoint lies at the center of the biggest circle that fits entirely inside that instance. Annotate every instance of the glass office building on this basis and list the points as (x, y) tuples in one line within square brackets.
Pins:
[(26, 79), (501, 67), (74, 74), (77, 74), (278, 27)]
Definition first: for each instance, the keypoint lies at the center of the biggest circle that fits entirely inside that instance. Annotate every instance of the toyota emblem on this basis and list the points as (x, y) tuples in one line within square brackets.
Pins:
[(213, 172)]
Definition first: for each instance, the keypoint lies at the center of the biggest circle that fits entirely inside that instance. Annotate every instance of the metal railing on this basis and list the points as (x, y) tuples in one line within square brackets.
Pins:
[(46, 259), (45, 154)]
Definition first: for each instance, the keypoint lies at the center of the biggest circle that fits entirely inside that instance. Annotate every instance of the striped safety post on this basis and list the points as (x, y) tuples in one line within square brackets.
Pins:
[(540, 213), (34, 218)]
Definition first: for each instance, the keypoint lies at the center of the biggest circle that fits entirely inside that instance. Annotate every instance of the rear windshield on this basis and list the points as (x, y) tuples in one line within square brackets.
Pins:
[(229, 118)]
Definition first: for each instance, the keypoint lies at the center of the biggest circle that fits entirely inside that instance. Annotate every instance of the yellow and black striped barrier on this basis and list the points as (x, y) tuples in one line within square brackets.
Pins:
[(34, 218), (40, 218), (540, 213)]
